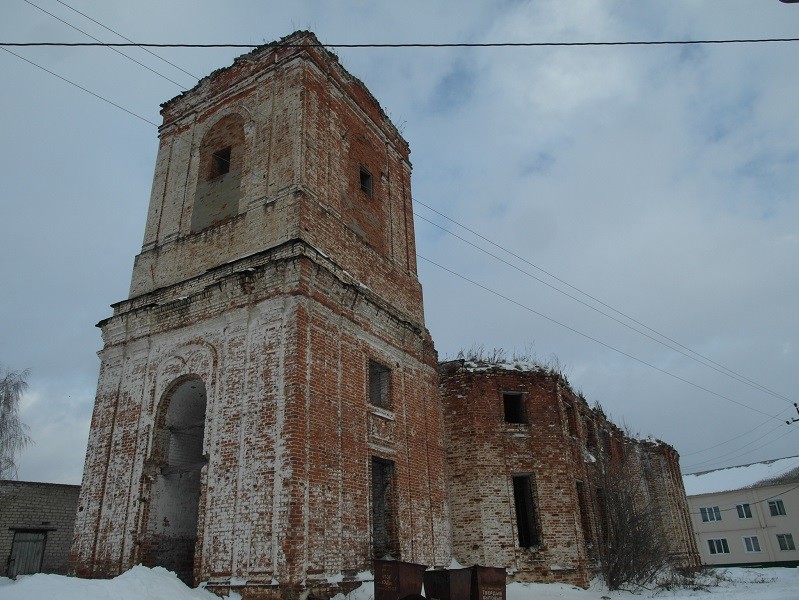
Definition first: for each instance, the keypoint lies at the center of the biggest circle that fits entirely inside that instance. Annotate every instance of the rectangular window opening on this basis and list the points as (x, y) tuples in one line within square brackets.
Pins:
[(384, 531), (571, 418), (776, 508), (744, 511), (524, 500), (220, 162), (709, 514), (718, 546), (514, 407), (602, 514), (785, 540), (590, 434), (366, 182), (585, 518), (751, 543), (379, 376)]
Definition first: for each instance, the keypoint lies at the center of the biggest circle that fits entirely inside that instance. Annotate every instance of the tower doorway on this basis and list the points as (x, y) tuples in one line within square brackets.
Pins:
[(175, 490)]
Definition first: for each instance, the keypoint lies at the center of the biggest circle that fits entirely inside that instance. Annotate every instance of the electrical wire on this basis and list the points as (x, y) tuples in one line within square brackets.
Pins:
[(418, 45), (109, 46), (80, 87), (734, 507), (695, 356), (161, 58), (730, 372), (732, 439), (740, 454), (783, 493), (448, 270), (595, 340)]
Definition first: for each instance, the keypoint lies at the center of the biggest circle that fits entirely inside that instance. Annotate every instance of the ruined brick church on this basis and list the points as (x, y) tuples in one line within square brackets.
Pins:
[(270, 413)]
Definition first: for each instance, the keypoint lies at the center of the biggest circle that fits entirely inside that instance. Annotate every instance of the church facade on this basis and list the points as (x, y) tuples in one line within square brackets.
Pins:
[(268, 415)]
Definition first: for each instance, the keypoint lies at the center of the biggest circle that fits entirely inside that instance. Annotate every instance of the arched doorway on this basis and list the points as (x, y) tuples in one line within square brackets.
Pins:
[(175, 490)]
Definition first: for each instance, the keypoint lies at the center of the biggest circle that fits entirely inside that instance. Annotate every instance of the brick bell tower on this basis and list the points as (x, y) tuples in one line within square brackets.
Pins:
[(267, 416)]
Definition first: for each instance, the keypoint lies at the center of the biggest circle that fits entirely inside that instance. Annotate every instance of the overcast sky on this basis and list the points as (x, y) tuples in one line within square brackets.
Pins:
[(661, 180)]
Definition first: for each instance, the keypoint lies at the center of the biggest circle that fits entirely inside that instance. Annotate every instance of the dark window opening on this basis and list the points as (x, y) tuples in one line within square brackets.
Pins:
[(220, 162), (585, 517), (571, 418), (525, 511), (590, 434), (605, 434), (514, 407), (378, 384), (384, 531), (602, 513), (366, 182)]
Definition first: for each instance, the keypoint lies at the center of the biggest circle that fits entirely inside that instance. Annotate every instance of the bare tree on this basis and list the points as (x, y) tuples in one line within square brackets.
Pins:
[(634, 551), (13, 432)]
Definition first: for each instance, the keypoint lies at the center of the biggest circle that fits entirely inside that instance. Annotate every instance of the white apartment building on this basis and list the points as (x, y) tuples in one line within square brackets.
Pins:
[(746, 515)]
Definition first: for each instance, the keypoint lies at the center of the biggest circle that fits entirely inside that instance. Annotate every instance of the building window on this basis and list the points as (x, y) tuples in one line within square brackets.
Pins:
[(744, 511), (514, 407), (718, 546), (379, 376), (220, 163), (571, 419), (366, 182), (785, 540), (524, 500), (384, 523), (711, 513), (751, 544), (585, 517), (590, 434), (776, 508)]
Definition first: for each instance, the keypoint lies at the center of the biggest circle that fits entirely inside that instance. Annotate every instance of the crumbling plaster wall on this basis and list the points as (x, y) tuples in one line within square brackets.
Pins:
[(289, 432)]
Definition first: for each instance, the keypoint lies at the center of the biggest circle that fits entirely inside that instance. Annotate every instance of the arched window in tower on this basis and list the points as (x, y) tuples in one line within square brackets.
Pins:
[(219, 179)]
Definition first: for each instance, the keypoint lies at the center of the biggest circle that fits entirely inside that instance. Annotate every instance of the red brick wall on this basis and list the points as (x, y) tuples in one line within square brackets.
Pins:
[(563, 442), (277, 311)]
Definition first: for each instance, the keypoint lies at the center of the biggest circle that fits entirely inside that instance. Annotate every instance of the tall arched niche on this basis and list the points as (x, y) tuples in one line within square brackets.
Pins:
[(221, 157), (177, 456)]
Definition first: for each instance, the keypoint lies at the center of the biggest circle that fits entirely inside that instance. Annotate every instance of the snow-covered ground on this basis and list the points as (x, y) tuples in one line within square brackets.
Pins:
[(158, 584)]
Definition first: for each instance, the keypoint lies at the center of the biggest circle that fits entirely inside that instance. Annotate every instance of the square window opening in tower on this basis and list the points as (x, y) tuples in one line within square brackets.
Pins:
[(379, 378), (220, 162), (513, 404), (366, 182)]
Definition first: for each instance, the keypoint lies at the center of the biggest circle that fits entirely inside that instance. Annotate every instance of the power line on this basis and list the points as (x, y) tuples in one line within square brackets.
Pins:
[(595, 340), (419, 44), (109, 46), (127, 39), (726, 370), (80, 87), (446, 269), (732, 439), (701, 360), (785, 493), (737, 452)]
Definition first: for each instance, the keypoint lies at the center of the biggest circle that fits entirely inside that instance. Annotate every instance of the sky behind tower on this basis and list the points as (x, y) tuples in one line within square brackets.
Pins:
[(660, 180)]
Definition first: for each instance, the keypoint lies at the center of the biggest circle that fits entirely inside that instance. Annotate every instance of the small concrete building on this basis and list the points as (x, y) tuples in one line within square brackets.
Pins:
[(747, 515), (37, 521)]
